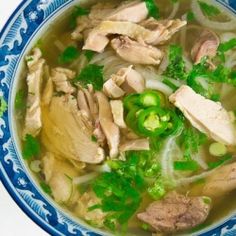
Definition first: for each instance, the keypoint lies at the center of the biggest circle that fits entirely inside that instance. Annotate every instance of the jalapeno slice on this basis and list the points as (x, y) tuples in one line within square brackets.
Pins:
[(152, 121), (150, 99), (131, 101)]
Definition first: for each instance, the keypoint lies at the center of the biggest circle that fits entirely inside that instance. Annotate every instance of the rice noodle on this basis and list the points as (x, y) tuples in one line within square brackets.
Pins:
[(157, 85), (203, 20), (61, 47), (85, 178), (183, 33), (174, 11)]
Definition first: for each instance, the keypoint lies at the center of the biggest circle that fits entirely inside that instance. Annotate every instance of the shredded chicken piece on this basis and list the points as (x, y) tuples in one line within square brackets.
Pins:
[(57, 174), (109, 128), (98, 133), (83, 105), (87, 200), (206, 115), (48, 92), (33, 122), (135, 145), (134, 11), (176, 212), (61, 78), (112, 90), (155, 33), (221, 181), (67, 133), (135, 52), (118, 113), (205, 46)]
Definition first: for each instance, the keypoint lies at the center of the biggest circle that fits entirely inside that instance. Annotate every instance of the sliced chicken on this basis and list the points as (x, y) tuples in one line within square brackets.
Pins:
[(33, 122), (61, 78), (110, 129), (117, 110), (98, 133), (48, 92), (112, 90), (58, 176), (67, 133), (87, 200), (133, 11), (206, 115), (83, 105), (135, 145), (221, 181), (205, 46), (137, 53), (176, 212), (162, 30), (157, 32)]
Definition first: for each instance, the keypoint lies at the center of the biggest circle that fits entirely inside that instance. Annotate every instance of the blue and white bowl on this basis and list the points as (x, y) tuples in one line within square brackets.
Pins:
[(18, 36)]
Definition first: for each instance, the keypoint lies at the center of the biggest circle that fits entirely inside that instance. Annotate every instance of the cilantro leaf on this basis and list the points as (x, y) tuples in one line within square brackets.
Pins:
[(208, 9), (89, 55), (152, 9), (190, 16), (176, 67), (68, 55), (91, 74), (3, 106), (20, 99), (31, 147), (77, 11), (46, 188)]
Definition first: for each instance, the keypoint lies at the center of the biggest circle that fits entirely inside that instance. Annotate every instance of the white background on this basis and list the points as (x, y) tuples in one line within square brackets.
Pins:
[(13, 222)]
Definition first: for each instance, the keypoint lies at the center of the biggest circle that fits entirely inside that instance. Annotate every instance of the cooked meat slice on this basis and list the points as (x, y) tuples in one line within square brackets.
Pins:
[(67, 133), (205, 46), (157, 32), (110, 129), (89, 94), (82, 104), (61, 78), (176, 212), (135, 145), (112, 90), (118, 113), (48, 92), (134, 11), (163, 29), (98, 133), (221, 181), (135, 52), (35, 63), (87, 200), (207, 116), (57, 174)]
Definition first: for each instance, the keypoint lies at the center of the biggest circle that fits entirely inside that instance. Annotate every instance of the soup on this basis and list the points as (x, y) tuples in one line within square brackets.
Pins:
[(130, 116)]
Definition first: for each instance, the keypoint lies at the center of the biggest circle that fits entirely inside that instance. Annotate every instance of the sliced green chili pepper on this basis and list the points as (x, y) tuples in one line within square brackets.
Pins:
[(131, 101), (152, 121), (175, 124), (150, 99)]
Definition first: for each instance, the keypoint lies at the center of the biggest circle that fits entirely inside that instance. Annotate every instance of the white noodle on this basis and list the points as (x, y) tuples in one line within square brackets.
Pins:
[(203, 20), (61, 47), (157, 85), (85, 178), (174, 11), (183, 33)]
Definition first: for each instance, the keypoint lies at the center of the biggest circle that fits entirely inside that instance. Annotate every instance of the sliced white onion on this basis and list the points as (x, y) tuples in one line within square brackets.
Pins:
[(203, 20), (157, 85), (85, 178), (174, 11)]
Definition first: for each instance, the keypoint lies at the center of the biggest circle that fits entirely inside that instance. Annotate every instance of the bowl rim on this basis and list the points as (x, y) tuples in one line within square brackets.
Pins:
[(7, 183)]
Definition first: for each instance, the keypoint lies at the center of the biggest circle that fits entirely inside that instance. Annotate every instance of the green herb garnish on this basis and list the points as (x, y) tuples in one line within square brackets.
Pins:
[(152, 9), (46, 188), (91, 74), (225, 47), (223, 160), (31, 147), (77, 11), (20, 100), (208, 9), (176, 67), (94, 139), (89, 55), (3, 106), (190, 16), (69, 55), (186, 165)]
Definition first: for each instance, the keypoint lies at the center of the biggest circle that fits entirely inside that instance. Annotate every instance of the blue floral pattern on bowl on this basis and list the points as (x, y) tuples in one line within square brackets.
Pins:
[(25, 22)]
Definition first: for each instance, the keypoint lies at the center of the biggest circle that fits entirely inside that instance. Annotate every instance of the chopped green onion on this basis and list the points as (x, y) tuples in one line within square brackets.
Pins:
[(207, 200), (217, 149), (157, 191), (226, 158), (190, 16), (186, 165), (46, 188), (94, 138)]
